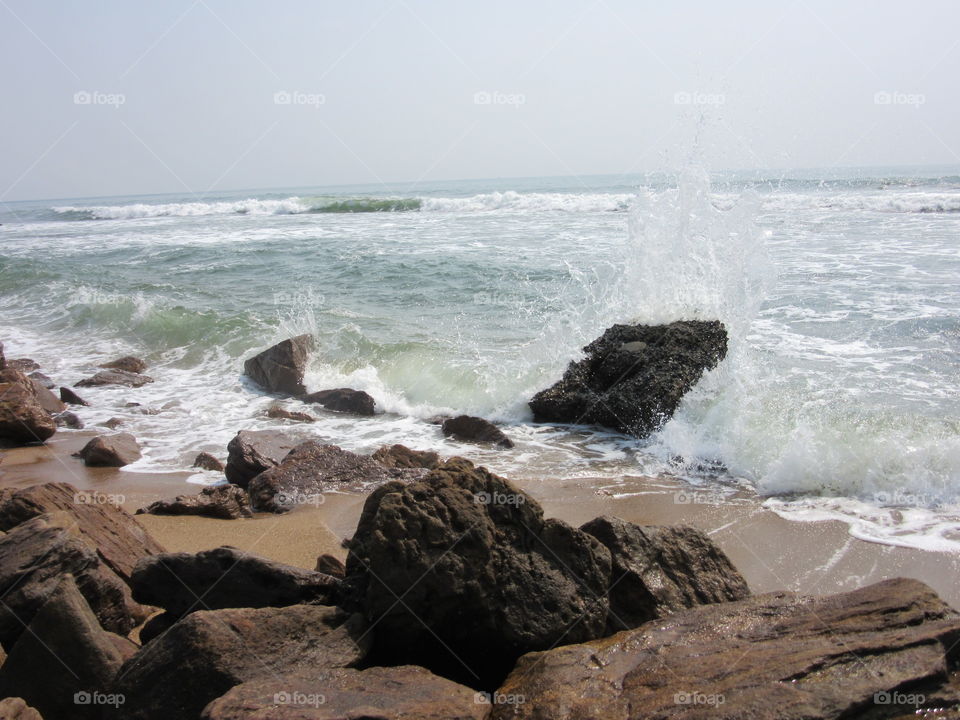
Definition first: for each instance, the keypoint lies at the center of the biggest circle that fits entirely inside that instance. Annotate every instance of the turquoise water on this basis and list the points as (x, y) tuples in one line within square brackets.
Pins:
[(840, 290)]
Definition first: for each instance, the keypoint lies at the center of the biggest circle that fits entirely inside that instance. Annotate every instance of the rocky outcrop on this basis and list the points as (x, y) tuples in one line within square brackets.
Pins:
[(14, 708), (483, 576), (778, 655), (279, 413), (344, 400), (226, 577), (633, 376), (71, 398), (226, 502), (253, 451), (111, 451), (378, 693), (64, 652), (207, 653), (115, 377), (119, 540), (660, 570), (307, 472), (331, 565), (473, 429), (48, 401), (403, 458), (206, 461), (280, 368), (22, 417), (44, 380), (128, 363)]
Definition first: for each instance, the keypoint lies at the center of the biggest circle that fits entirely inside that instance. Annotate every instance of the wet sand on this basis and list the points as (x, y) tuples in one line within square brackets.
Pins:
[(771, 552)]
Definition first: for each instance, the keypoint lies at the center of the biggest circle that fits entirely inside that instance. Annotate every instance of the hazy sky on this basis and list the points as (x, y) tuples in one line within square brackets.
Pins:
[(118, 97)]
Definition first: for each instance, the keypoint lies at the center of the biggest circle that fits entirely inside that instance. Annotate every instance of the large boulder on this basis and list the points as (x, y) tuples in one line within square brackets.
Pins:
[(633, 376), (251, 452), (128, 363), (70, 397), (280, 368), (207, 653), (48, 401), (309, 470), (461, 573), (63, 655), (467, 428), (115, 377), (402, 457), (120, 541), (14, 708), (345, 400), (778, 655), (111, 451), (377, 693), (226, 502), (35, 555), (660, 570), (22, 417), (226, 577)]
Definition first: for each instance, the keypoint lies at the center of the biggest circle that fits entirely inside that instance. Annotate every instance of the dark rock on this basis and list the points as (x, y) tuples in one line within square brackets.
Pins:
[(377, 693), (69, 420), (204, 655), (778, 655), (22, 417), (473, 429), (113, 423), (206, 461), (70, 397), (128, 363), (3, 360), (482, 575), (157, 625), (119, 540), (111, 451), (115, 377), (402, 457), (253, 451), (227, 502), (48, 401), (63, 652), (225, 577), (14, 708), (343, 400), (634, 376), (309, 470), (35, 555), (44, 380), (660, 570), (331, 565), (24, 365), (279, 413), (280, 368)]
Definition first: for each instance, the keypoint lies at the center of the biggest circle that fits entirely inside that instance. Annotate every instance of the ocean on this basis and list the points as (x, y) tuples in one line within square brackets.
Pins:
[(840, 289)]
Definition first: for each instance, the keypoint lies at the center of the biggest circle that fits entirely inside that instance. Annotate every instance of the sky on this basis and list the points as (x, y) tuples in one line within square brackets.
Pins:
[(124, 98)]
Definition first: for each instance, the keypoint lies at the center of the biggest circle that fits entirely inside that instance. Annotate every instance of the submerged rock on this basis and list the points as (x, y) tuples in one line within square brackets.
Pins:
[(253, 451), (128, 363), (111, 451), (467, 428), (22, 417), (70, 397), (68, 420), (634, 376), (206, 461), (402, 457), (279, 413), (343, 400), (227, 502), (115, 377), (280, 368)]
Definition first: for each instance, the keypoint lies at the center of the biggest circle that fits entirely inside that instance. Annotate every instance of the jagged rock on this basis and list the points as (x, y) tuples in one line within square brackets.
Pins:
[(48, 401), (778, 655), (70, 397), (225, 577), (68, 420), (473, 429), (14, 708), (343, 400), (63, 652), (22, 417), (253, 451), (483, 576), (119, 540), (207, 653), (128, 363), (279, 413), (309, 470), (634, 376), (280, 368), (115, 377), (377, 693), (113, 423), (402, 457), (24, 365), (227, 502), (206, 461), (660, 570), (111, 451), (331, 565), (44, 380)]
